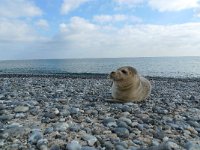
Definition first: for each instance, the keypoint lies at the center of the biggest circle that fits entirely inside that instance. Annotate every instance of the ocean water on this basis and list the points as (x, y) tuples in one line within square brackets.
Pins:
[(147, 66)]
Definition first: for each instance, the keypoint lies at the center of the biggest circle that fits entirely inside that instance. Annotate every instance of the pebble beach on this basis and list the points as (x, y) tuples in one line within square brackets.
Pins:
[(71, 113)]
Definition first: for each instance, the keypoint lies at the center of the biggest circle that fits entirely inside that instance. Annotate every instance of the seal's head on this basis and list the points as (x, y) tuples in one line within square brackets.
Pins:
[(123, 73)]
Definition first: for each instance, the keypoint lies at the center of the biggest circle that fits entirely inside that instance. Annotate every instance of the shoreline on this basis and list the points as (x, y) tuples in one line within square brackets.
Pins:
[(71, 111), (87, 76)]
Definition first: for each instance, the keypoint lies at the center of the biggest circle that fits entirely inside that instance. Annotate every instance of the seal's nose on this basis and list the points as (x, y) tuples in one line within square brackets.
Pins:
[(112, 73)]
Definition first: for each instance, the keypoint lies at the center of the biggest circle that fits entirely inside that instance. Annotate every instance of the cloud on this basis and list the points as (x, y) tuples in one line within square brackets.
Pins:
[(173, 5), (116, 18), (69, 5), (81, 38), (42, 23), (129, 2), (16, 30), (19, 8)]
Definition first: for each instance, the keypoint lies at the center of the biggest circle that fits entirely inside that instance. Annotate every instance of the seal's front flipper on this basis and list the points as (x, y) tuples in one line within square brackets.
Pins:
[(113, 100)]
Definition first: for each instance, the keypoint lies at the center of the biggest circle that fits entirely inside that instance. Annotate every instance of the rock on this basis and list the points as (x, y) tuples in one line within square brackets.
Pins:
[(192, 98), (2, 142), (55, 147), (193, 144), (42, 144), (88, 148), (122, 132), (74, 145), (50, 115), (119, 147), (6, 117), (61, 127), (48, 130), (74, 110), (159, 134), (91, 140), (35, 136), (127, 120), (20, 115), (106, 121), (108, 145), (21, 109)]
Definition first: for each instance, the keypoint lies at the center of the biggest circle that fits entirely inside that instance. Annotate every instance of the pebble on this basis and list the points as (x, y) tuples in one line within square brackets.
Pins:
[(55, 147), (122, 132), (42, 144), (48, 130), (193, 144), (35, 136), (91, 140), (61, 127), (74, 145), (67, 109), (21, 109)]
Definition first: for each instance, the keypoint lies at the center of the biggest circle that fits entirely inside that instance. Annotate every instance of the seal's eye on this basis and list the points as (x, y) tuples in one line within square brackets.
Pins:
[(124, 71)]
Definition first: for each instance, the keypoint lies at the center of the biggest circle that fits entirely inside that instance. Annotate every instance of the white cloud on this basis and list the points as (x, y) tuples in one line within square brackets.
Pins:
[(173, 5), (81, 38), (19, 8), (69, 5), (42, 23), (116, 18), (16, 30), (129, 2)]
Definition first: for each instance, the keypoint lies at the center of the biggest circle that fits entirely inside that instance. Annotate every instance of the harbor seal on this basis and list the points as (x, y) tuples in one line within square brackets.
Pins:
[(129, 86)]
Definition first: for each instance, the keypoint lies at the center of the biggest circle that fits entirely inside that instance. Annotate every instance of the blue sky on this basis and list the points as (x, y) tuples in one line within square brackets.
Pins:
[(43, 29)]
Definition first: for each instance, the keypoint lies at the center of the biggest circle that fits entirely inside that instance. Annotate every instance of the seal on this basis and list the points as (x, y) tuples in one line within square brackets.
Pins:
[(129, 86)]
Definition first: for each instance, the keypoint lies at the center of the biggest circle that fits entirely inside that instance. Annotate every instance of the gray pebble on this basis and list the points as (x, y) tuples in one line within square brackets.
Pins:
[(122, 132), (55, 147), (48, 130), (74, 145), (35, 136), (193, 144), (21, 109), (91, 140), (42, 144), (88, 148)]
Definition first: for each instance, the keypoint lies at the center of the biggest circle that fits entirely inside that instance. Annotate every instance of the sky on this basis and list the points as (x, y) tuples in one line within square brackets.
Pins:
[(57, 29)]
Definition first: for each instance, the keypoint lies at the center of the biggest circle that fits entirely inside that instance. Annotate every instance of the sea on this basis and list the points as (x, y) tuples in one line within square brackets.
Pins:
[(148, 66)]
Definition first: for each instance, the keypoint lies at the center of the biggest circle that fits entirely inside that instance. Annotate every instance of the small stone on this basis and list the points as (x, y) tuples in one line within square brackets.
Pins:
[(111, 124), (128, 121), (48, 130), (61, 126), (2, 143), (74, 145), (74, 110), (42, 144), (6, 117), (55, 147), (55, 111), (21, 109), (88, 148), (91, 140), (192, 98), (122, 132), (193, 144), (119, 147), (107, 120), (108, 145), (35, 136), (20, 115), (192, 130), (165, 139)]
